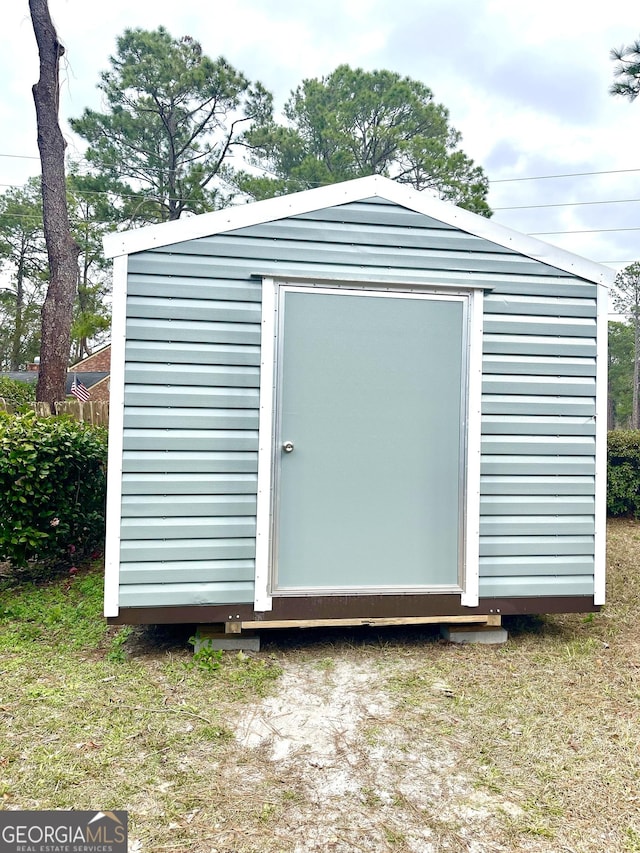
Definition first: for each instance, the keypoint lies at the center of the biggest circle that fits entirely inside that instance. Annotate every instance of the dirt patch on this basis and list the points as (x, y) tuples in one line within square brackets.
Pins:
[(361, 782)]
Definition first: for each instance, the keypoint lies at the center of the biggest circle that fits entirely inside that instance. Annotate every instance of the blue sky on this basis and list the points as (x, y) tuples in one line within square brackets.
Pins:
[(525, 82)]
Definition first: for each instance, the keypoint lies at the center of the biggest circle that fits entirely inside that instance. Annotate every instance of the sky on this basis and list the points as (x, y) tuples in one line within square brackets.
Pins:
[(525, 81)]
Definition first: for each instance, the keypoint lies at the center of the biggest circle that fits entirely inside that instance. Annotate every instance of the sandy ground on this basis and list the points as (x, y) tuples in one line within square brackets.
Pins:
[(361, 778)]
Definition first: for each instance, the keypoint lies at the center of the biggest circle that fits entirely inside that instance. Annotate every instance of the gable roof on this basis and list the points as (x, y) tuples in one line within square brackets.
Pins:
[(373, 186)]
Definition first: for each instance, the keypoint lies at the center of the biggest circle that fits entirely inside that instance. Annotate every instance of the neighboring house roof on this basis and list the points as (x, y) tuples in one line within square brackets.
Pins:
[(374, 186), (88, 379), (30, 376), (101, 355)]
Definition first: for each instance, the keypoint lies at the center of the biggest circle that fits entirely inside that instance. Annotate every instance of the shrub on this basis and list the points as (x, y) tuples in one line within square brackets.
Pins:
[(16, 393), (623, 472), (52, 489)]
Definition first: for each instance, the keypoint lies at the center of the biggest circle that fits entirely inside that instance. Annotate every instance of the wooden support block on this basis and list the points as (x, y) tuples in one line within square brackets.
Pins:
[(233, 627), (207, 631)]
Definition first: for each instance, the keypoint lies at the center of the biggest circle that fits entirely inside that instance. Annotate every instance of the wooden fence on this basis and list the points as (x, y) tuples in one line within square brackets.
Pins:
[(92, 412)]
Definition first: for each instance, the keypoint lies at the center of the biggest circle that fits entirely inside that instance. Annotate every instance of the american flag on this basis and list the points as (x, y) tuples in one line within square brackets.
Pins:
[(79, 390)]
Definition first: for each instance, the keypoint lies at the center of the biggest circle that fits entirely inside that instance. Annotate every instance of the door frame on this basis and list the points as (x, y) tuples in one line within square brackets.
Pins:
[(268, 457)]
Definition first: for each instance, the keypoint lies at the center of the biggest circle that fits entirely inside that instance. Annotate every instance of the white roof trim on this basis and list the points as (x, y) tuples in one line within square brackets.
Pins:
[(245, 215)]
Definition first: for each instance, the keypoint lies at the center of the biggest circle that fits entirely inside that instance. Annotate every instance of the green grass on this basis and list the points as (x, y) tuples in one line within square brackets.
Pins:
[(99, 717), (64, 612)]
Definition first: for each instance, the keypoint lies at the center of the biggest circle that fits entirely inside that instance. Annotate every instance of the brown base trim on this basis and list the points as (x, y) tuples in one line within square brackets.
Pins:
[(353, 607)]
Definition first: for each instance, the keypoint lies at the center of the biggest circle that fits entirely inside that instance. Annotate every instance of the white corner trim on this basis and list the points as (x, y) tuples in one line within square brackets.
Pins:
[(116, 426), (263, 601), (245, 215), (470, 595), (600, 527)]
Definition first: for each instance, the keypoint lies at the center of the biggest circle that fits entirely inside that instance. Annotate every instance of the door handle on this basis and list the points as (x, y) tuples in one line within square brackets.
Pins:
[(287, 446)]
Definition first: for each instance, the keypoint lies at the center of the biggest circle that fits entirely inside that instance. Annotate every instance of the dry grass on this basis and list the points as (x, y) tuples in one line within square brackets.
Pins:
[(341, 740)]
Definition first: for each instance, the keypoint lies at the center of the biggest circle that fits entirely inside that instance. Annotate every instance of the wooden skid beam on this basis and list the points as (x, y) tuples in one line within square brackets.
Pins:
[(493, 620)]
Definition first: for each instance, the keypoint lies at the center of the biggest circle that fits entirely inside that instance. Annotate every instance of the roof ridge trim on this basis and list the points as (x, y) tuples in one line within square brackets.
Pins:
[(333, 195)]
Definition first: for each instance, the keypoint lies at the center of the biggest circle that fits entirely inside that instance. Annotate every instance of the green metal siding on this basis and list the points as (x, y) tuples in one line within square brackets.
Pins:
[(191, 399)]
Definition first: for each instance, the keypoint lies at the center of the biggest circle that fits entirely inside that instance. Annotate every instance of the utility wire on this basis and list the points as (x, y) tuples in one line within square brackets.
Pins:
[(529, 234), (21, 156), (138, 196), (564, 175), (585, 231), (496, 209), (491, 181), (564, 204)]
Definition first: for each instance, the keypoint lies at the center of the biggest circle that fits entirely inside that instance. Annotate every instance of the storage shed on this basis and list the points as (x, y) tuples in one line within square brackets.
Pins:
[(355, 402)]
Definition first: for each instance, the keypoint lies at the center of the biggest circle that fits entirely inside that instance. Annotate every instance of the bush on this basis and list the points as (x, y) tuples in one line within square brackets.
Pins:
[(52, 489), (16, 393), (623, 472)]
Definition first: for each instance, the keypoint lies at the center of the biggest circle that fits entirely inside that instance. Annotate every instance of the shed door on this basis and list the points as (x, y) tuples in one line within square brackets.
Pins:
[(370, 395)]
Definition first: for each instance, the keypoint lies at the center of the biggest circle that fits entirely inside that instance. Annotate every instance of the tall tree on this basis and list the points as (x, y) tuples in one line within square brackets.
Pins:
[(23, 260), (626, 300), (627, 70), (92, 214), (620, 374), (62, 250), (173, 117), (354, 123)]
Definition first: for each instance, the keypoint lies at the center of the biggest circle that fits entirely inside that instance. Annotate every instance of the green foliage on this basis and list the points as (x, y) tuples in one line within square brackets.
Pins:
[(355, 123), (23, 260), (116, 653), (206, 657), (93, 214), (242, 673), (172, 116), (16, 393), (620, 370), (626, 300), (52, 489), (65, 611), (626, 296), (627, 71), (623, 473)]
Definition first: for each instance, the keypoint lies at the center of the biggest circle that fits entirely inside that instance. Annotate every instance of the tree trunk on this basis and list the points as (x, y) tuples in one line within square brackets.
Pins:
[(17, 332), (83, 302), (611, 413), (62, 249)]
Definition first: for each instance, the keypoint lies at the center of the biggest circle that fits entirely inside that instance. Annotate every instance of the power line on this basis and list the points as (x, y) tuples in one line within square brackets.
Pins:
[(20, 156), (491, 180), (141, 196), (567, 204), (99, 193), (565, 175), (585, 231), (529, 234)]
